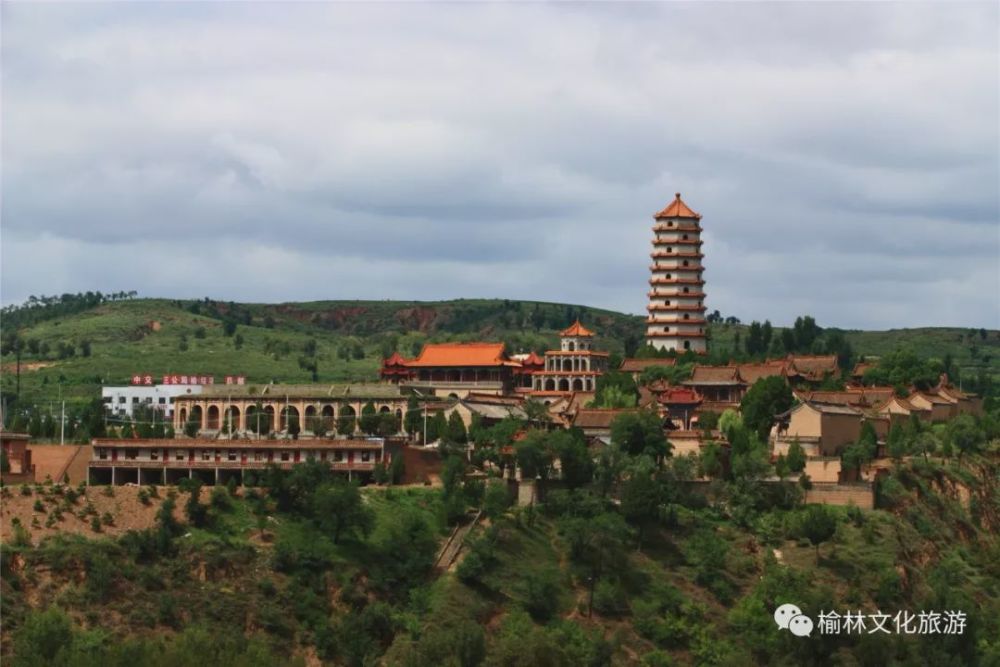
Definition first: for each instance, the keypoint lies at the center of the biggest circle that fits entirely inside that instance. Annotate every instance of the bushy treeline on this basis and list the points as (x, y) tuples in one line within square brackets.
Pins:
[(40, 308), (50, 638)]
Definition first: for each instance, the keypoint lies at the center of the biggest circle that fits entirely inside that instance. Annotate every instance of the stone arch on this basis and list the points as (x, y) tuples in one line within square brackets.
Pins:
[(346, 420), (567, 364), (564, 384), (588, 385), (687, 345), (453, 395), (268, 418), (310, 417), (327, 415), (212, 418), (550, 385), (231, 420), (571, 346), (578, 385), (289, 413), (197, 416), (384, 410), (183, 416)]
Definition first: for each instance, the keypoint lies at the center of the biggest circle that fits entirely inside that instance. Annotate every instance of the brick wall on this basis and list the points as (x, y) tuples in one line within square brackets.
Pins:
[(863, 495)]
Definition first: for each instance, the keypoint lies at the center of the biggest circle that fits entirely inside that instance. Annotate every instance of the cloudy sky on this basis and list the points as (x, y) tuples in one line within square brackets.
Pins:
[(844, 156)]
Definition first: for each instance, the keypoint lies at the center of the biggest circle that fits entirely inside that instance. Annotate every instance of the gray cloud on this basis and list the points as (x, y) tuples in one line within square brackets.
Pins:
[(845, 156)]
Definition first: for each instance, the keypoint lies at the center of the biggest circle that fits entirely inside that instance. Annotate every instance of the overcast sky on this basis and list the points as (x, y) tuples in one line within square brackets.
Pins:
[(844, 156)]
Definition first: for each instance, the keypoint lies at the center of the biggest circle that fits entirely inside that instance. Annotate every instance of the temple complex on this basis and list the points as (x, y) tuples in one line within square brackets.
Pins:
[(455, 370), (676, 307)]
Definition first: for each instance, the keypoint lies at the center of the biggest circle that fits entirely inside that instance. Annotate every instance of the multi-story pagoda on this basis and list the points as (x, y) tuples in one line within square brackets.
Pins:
[(676, 318)]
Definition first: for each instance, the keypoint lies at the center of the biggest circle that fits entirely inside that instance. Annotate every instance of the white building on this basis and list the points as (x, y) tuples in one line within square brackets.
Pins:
[(123, 400)]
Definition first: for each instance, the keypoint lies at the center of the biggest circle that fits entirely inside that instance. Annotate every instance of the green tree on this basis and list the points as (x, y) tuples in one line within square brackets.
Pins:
[(766, 398), (640, 432), (44, 636), (369, 419), (575, 461), (195, 512), (796, 457), (340, 510), (403, 552), (616, 390), (496, 500), (964, 434), (598, 544), (540, 588), (192, 426), (397, 469), (413, 420), (533, 455), (818, 523), (641, 497), (455, 432)]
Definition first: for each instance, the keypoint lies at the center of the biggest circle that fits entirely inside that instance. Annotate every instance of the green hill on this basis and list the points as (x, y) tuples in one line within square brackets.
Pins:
[(69, 351), (259, 579)]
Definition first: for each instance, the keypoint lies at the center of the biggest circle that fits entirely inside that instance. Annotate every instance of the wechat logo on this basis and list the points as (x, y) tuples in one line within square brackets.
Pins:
[(790, 617)]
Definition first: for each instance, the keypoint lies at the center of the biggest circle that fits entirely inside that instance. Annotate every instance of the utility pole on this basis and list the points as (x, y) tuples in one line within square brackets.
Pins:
[(62, 425), (425, 425)]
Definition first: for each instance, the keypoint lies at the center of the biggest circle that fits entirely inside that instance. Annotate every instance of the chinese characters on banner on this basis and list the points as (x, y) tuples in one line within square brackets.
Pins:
[(145, 379)]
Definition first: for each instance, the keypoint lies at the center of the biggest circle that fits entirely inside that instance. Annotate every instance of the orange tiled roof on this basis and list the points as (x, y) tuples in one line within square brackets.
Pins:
[(598, 417), (679, 396), (716, 375), (861, 368), (677, 209), (396, 359), (753, 372), (576, 329), (638, 365), (461, 354), (533, 360), (814, 366)]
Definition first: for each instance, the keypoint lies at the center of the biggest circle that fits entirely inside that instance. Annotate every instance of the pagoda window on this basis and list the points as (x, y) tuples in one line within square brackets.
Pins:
[(686, 316), (685, 237), (670, 223), (685, 262), (669, 276), (670, 249), (687, 345), (686, 290), (667, 302)]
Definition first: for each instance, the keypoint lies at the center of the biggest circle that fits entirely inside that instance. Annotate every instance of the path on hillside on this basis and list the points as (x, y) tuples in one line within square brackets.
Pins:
[(449, 552)]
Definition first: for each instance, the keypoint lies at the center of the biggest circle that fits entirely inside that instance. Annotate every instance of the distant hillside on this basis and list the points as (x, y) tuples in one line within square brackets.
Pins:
[(69, 349)]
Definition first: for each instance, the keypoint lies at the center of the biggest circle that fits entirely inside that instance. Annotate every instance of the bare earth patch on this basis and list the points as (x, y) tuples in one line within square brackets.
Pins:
[(125, 508)]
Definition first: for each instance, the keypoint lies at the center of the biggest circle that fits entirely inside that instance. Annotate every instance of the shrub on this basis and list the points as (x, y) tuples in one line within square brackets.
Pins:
[(541, 594), (108, 491), (143, 496), (39, 507), (107, 519), (610, 598), (25, 490), (221, 499), (95, 525)]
